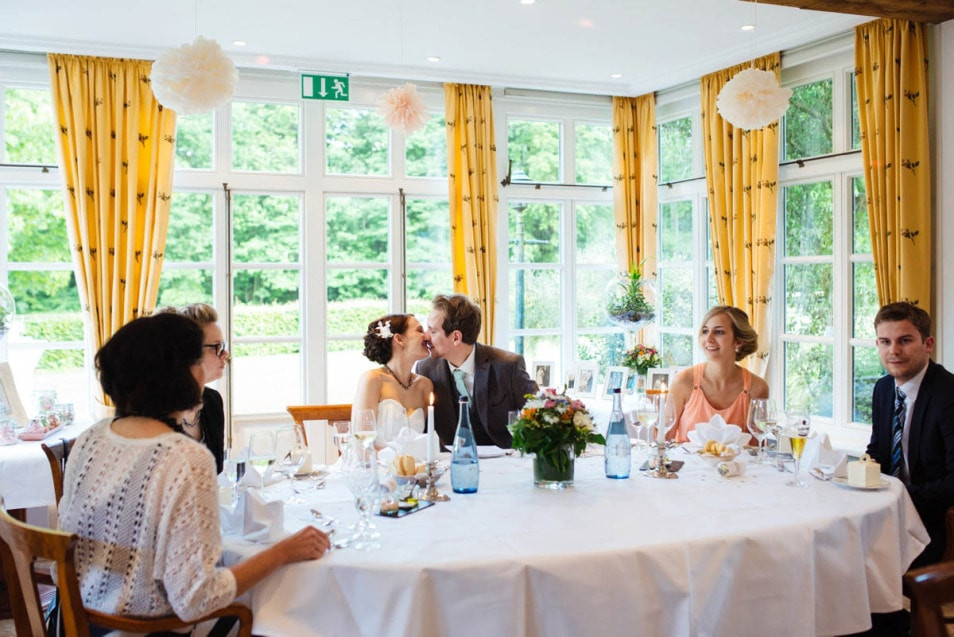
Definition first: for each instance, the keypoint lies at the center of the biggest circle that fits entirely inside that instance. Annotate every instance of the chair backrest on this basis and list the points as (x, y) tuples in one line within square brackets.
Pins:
[(948, 555), (301, 413), (929, 588), (57, 453), (23, 544)]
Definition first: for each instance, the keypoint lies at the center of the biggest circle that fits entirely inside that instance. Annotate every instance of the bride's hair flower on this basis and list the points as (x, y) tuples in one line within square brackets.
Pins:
[(383, 329)]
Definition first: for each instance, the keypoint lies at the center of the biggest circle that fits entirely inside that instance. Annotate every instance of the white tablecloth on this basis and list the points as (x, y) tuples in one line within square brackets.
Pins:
[(701, 555), (25, 479)]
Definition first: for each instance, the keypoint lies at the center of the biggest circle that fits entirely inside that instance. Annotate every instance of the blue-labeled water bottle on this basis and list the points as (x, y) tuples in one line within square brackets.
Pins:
[(465, 472), (618, 450)]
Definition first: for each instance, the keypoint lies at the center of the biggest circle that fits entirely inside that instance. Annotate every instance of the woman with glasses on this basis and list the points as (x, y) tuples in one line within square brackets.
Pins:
[(143, 499), (208, 427)]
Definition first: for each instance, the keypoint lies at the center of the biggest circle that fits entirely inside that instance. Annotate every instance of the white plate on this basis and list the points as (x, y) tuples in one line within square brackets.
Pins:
[(843, 482), (490, 451)]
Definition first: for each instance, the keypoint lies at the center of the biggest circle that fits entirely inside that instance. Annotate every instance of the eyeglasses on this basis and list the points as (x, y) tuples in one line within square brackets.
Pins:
[(220, 348)]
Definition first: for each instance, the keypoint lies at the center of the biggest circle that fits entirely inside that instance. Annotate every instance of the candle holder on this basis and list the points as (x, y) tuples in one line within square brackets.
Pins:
[(432, 494)]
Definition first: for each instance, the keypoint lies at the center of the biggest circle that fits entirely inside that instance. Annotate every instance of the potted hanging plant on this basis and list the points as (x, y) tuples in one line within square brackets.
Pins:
[(628, 303), (556, 429)]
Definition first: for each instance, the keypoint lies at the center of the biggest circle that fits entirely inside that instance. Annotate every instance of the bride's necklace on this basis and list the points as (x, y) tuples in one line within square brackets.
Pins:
[(410, 379)]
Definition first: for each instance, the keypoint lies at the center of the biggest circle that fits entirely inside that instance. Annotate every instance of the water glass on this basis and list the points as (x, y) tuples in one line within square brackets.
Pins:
[(341, 436), (763, 419), (261, 452), (290, 454), (360, 471), (233, 466)]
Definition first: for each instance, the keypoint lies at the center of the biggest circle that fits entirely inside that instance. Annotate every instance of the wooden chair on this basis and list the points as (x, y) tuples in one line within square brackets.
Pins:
[(930, 588), (24, 543), (331, 413), (57, 453)]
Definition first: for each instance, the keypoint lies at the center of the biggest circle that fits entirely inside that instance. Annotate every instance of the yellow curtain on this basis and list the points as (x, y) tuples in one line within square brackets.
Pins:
[(634, 177), (891, 77), (472, 182), (742, 180), (116, 148)]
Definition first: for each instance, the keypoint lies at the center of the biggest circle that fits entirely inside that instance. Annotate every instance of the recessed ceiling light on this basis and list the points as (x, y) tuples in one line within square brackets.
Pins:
[(433, 58), (527, 1), (239, 42), (616, 76), (748, 27)]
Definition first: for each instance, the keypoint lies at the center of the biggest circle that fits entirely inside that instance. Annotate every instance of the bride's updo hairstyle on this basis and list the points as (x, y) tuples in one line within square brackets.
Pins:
[(380, 336)]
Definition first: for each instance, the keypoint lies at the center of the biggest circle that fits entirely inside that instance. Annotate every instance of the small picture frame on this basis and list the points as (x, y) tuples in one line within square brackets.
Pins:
[(9, 396), (569, 381), (615, 379), (542, 372), (656, 376), (586, 378)]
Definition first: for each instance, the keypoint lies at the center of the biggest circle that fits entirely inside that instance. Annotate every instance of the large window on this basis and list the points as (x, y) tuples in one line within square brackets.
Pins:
[(561, 251)]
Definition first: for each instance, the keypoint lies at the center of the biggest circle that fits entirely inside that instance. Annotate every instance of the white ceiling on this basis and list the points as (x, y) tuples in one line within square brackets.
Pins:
[(568, 45)]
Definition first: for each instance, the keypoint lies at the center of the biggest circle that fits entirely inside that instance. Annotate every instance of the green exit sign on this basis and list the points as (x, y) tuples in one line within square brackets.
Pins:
[(325, 87)]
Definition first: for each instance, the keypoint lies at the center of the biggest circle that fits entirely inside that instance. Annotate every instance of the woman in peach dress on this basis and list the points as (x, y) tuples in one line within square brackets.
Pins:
[(719, 385)]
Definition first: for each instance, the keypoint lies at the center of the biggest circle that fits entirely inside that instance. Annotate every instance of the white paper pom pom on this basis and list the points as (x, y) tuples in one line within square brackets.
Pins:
[(194, 78), (753, 99), (403, 109)]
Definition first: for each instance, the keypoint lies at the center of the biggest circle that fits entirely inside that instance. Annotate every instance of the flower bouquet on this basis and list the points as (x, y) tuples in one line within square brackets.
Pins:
[(556, 429), (642, 358)]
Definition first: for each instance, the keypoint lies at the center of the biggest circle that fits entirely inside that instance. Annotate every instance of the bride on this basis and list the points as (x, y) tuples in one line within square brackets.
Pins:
[(398, 395)]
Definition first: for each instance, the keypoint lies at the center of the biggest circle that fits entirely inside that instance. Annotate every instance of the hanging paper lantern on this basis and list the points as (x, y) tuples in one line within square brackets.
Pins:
[(753, 99), (403, 109), (194, 78)]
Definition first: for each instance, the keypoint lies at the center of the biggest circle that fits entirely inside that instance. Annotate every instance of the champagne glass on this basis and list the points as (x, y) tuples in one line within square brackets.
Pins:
[(646, 412), (363, 427), (233, 466), (762, 419), (261, 452), (290, 452), (798, 433)]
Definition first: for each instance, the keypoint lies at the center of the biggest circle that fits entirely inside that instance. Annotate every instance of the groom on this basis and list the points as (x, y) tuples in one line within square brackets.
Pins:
[(495, 380)]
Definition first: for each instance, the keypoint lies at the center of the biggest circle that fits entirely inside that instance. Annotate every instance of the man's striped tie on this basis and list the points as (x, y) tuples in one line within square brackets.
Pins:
[(897, 458)]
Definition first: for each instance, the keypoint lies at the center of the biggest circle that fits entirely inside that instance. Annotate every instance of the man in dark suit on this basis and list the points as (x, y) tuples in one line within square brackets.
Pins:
[(912, 418), (495, 380)]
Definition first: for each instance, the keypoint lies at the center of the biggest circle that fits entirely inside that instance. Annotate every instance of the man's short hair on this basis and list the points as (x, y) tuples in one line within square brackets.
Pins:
[(902, 311), (460, 313)]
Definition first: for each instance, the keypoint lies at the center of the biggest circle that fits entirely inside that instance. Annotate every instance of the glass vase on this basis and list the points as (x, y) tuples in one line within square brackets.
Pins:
[(554, 470)]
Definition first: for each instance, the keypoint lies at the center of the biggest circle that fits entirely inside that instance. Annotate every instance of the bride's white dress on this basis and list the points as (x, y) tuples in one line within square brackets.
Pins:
[(392, 417)]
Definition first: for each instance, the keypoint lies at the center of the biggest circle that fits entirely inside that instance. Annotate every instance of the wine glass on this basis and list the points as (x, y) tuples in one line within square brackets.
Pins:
[(261, 452), (290, 451), (798, 432), (341, 436), (360, 471), (762, 419), (363, 427)]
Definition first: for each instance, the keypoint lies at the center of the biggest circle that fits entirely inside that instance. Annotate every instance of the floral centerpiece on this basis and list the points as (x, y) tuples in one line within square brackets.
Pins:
[(556, 429), (642, 358), (628, 304)]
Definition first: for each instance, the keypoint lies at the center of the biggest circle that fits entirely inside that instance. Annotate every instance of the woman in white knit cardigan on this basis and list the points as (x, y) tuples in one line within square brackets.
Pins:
[(143, 498)]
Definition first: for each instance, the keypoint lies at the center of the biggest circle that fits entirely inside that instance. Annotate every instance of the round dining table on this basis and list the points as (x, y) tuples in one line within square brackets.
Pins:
[(699, 555)]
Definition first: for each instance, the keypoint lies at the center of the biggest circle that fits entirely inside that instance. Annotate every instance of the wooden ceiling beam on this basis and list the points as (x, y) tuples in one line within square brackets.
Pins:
[(930, 11)]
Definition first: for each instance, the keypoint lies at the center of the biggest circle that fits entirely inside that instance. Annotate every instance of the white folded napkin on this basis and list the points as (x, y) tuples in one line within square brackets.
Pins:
[(253, 518), (717, 429), (409, 442), (819, 455), (253, 479), (731, 468)]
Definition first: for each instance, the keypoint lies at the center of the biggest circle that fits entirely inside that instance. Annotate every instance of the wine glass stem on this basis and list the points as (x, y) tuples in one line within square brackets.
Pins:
[(796, 468)]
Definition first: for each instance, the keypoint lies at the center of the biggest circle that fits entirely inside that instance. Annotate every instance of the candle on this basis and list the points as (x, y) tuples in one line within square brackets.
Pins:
[(431, 440)]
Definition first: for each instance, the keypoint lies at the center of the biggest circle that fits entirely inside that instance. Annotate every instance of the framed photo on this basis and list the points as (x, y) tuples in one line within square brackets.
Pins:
[(569, 381), (615, 379), (586, 378), (656, 376), (9, 396), (632, 382), (542, 373)]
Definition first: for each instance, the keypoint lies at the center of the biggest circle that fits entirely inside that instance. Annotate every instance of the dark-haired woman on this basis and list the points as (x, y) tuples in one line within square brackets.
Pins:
[(719, 385), (393, 390), (142, 497)]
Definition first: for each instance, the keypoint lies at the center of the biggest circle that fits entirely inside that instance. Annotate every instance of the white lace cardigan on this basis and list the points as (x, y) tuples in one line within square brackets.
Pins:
[(147, 516)]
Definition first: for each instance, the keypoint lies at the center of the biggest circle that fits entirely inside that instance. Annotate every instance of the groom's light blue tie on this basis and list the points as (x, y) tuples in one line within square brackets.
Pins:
[(459, 381)]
